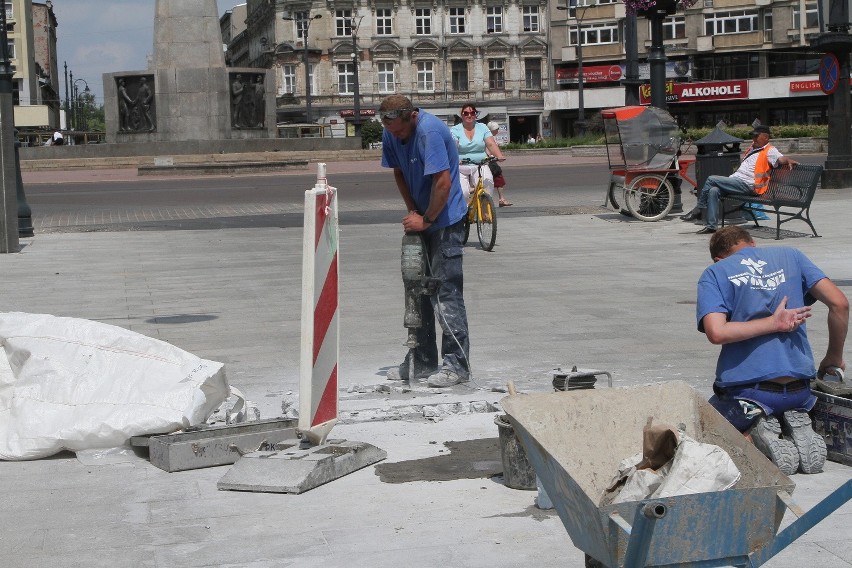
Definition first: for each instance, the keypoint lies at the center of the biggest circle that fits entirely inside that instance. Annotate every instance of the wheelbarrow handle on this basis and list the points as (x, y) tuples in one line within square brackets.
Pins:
[(803, 524)]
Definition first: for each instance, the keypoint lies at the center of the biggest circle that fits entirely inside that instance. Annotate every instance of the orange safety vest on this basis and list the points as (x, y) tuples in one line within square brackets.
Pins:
[(762, 168)]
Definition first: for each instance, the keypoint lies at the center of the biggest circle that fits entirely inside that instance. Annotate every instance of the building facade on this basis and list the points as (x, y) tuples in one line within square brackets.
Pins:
[(31, 30), (440, 54), (519, 60), (730, 60)]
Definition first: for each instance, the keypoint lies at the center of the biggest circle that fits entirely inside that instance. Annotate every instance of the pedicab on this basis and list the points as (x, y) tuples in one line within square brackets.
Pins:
[(643, 148), (575, 441)]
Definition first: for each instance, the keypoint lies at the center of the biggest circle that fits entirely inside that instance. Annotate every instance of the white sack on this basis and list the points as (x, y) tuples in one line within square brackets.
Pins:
[(698, 468), (75, 384)]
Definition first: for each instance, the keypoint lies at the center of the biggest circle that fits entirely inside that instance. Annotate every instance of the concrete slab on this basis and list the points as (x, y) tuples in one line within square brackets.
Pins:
[(290, 469), (217, 445)]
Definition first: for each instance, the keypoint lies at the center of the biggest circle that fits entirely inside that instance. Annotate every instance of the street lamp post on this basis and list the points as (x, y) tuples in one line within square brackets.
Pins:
[(581, 110), (305, 25), (356, 60), (9, 242), (79, 119)]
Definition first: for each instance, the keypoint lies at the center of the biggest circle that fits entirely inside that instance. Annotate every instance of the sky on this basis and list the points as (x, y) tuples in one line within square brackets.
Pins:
[(104, 36)]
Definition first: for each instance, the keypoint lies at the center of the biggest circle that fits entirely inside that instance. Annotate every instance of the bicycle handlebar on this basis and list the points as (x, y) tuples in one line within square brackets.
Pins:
[(469, 162)]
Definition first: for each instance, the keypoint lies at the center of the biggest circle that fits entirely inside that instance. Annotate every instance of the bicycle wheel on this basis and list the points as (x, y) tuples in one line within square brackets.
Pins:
[(616, 191), (486, 223), (649, 197)]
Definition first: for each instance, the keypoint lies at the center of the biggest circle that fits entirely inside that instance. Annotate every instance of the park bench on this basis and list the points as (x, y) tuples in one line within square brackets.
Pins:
[(788, 197)]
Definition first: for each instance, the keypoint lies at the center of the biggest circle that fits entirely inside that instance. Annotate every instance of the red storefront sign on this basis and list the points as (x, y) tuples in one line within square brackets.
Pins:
[(799, 86), (698, 92), (591, 74)]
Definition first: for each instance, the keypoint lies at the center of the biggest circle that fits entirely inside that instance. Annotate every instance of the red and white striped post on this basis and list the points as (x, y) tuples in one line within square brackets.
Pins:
[(318, 396)]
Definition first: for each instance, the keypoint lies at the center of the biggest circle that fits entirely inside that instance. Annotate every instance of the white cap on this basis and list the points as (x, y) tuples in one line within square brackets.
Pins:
[(492, 126)]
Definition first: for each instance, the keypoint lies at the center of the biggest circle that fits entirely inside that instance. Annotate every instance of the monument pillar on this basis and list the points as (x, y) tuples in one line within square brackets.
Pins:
[(188, 94)]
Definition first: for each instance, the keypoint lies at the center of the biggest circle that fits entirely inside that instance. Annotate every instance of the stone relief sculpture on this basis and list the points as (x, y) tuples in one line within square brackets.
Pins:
[(136, 113), (248, 101)]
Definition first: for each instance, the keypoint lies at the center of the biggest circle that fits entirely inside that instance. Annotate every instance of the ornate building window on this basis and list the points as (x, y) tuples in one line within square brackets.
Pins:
[(384, 21), (425, 76), (345, 78), (459, 75), (288, 79), (496, 74), (530, 18), (532, 73), (423, 21), (343, 23), (456, 16), (494, 19), (386, 76)]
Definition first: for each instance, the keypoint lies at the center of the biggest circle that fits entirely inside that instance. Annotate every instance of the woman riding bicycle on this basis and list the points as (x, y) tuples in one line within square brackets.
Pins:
[(473, 138)]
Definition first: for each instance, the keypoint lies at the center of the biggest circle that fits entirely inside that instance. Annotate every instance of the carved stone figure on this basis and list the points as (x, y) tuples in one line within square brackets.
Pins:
[(145, 100), (237, 94), (136, 112), (125, 105)]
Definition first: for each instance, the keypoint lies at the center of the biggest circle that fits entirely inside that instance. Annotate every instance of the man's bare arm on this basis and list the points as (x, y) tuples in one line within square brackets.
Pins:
[(838, 321), (721, 331)]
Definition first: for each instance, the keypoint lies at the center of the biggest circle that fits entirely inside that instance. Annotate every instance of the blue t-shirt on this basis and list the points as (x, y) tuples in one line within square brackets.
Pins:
[(430, 150), (749, 285), (471, 149)]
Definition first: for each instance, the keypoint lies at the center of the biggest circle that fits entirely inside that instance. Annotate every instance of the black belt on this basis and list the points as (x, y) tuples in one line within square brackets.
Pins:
[(771, 386)]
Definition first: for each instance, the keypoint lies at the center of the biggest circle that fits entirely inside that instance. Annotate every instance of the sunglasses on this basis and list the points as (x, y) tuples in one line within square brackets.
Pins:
[(469, 113), (394, 114)]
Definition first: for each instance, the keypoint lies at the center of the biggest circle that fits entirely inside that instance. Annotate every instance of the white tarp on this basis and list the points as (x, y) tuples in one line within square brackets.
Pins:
[(73, 384)]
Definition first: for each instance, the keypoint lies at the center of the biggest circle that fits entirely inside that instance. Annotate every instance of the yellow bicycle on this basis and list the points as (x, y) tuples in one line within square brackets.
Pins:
[(481, 211)]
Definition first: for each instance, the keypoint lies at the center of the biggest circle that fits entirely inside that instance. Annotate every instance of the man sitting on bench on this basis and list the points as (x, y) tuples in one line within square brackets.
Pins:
[(751, 178)]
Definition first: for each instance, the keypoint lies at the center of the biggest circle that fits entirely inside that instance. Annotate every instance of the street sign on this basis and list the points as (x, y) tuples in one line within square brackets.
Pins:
[(829, 72)]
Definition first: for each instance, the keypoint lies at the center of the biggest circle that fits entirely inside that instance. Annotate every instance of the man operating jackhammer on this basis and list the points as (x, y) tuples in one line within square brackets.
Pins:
[(425, 161)]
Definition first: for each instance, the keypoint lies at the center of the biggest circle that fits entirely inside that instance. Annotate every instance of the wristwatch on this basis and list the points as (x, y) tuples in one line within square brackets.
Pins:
[(427, 219)]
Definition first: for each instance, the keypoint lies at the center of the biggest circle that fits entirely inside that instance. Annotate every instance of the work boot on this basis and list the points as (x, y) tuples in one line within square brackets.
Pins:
[(445, 378), (797, 426), (766, 436)]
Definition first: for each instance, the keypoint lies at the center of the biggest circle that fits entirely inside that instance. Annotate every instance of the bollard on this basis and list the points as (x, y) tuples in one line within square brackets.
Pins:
[(318, 395)]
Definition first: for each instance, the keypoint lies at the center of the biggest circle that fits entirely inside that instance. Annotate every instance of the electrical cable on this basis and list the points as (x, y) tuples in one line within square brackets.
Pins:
[(445, 325)]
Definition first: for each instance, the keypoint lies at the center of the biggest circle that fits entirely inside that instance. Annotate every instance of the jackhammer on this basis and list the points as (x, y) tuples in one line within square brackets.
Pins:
[(417, 283)]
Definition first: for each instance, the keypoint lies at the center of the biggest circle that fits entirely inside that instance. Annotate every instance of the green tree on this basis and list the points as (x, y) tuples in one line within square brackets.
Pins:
[(89, 115), (371, 131)]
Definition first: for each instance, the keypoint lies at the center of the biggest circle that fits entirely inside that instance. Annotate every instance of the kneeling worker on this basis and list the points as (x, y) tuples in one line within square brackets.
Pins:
[(754, 303)]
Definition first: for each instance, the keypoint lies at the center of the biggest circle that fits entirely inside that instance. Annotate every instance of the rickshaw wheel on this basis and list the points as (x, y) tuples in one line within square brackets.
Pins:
[(649, 197)]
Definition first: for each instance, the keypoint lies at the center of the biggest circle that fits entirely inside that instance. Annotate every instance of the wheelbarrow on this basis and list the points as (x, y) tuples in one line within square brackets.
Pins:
[(575, 441)]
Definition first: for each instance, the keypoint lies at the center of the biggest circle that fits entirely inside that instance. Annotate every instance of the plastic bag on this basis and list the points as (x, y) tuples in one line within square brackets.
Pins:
[(74, 384)]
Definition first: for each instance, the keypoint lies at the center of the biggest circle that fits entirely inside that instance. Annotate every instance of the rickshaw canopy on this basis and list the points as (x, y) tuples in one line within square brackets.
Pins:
[(647, 137)]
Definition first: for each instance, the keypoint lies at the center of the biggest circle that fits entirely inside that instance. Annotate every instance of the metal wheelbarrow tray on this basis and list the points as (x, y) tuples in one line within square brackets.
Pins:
[(575, 440)]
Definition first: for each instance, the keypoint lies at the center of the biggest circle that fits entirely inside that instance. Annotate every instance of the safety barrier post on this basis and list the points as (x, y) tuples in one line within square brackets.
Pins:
[(320, 349)]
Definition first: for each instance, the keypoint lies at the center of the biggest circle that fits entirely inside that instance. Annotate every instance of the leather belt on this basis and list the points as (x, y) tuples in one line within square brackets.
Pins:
[(771, 386)]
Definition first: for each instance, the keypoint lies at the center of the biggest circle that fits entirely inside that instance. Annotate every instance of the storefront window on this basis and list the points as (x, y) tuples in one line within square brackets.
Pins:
[(725, 67), (791, 64)]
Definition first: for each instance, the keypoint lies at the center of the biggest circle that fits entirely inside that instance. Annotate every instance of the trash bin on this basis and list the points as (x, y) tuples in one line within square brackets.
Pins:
[(717, 154)]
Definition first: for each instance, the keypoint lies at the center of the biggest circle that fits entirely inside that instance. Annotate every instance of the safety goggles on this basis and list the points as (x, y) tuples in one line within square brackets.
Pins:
[(394, 114)]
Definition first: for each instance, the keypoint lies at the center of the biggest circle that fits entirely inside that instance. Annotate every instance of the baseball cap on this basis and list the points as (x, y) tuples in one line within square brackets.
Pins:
[(493, 126)]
